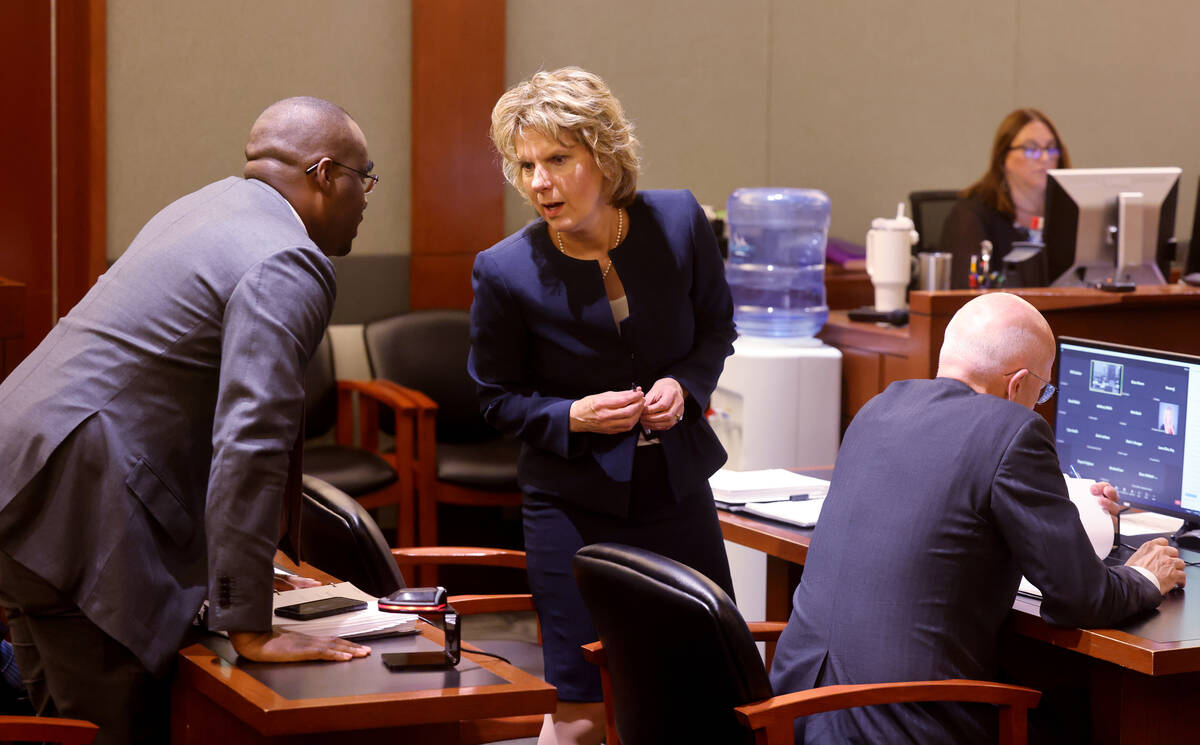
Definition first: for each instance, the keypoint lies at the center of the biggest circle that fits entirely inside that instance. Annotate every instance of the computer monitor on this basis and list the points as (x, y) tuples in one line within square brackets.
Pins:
[(1110, 224), (1124, 415)]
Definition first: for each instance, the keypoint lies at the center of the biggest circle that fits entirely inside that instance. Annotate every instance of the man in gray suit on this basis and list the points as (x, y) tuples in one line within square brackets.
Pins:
[(944, 493), (148, 441)]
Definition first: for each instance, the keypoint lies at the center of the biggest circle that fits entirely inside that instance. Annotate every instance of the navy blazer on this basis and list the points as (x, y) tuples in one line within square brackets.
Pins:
[(543, 335), (940, 500)]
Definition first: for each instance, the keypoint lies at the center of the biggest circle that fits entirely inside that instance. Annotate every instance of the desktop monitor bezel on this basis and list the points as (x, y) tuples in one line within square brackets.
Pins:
[(1081, 204), (1191, 519)]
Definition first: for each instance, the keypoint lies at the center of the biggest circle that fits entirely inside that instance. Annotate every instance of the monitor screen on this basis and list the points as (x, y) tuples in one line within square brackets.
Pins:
[(1123, 416), (1088, 209)]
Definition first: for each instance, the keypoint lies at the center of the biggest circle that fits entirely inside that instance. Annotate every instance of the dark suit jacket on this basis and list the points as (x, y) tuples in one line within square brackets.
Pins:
[(941, 499), (542, 336), (146, 440)]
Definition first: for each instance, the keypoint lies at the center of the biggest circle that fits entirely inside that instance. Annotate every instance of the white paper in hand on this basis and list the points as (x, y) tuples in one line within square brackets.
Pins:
[(1096, 522)]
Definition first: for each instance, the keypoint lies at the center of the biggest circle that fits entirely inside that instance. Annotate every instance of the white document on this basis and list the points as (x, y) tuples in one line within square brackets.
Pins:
[(766, 485), (356, 624), (1096, 523), (802, 514)]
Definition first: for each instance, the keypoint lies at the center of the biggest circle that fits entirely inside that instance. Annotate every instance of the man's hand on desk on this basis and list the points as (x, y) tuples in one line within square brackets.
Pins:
[(1163, 561), (290, 646)]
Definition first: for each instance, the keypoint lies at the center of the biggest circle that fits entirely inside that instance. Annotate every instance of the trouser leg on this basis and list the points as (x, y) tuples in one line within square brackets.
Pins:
[(73, 669)]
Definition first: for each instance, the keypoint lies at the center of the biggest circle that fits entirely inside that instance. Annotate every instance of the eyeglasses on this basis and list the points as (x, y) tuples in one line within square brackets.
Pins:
[(369, 180), (1048, 388), (1034, 152)]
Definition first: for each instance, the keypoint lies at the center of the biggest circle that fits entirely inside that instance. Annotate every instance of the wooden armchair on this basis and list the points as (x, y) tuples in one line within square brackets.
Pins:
[(359, 466), (684, 666), (456, 457)]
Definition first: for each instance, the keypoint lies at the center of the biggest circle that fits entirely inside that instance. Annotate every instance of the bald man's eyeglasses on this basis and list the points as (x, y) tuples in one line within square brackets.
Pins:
[(1048, 388), (369, 180)]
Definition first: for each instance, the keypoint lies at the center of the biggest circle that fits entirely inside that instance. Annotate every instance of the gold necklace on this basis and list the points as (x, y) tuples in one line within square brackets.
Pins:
[(620, 226)]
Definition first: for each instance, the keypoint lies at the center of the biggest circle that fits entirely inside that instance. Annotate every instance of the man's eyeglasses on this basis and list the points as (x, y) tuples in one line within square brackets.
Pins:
[(1034, 152), (369, 180), (1048, 388)]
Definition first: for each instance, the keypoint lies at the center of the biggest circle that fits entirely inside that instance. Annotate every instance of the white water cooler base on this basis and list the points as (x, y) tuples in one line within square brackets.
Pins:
[(777, 405)]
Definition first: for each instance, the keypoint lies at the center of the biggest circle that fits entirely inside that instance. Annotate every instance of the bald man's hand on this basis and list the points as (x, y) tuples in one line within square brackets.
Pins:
[(1162, 559), (278, 645)]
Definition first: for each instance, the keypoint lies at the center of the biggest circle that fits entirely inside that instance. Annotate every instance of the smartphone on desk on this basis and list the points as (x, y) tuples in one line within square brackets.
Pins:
[(414, 600), (396, 661), (320, 608)]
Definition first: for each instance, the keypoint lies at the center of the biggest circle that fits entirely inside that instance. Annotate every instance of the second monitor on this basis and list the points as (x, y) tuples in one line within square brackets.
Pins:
[(1110, 225)]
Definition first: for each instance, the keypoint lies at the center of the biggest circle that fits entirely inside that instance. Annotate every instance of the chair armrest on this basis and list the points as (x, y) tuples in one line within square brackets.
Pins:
[(419, 399), (37, 729), (403, 407), (766, 631), (459, 555), (772, 712), (470, 605), (594, 653)]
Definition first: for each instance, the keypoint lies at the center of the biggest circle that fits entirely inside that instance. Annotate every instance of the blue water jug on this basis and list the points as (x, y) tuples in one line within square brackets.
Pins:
[(776, 265)]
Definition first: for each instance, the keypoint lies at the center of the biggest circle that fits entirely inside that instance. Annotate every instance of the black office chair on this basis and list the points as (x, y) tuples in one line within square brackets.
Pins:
[(1192, 262), (929, 212), (457, 458), (364, 471), (679, 664), (340, 538)]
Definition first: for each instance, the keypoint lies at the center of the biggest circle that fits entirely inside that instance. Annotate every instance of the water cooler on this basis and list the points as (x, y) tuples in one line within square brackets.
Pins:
[(778, 402)]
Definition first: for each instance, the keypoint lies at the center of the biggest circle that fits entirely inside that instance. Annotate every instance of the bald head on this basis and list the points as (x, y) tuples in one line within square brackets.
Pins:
[(297, 132), (313, 153), (992, 335)]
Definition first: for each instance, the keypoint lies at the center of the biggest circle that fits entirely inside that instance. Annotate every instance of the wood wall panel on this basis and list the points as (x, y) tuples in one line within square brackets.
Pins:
[(457, 189), (28, 220)]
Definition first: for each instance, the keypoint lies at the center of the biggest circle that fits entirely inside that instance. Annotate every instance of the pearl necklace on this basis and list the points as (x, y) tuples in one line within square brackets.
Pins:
[(620, 226)]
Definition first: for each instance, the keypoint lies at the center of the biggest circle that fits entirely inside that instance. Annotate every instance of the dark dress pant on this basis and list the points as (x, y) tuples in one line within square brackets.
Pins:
[(684, 529), (73, 669)]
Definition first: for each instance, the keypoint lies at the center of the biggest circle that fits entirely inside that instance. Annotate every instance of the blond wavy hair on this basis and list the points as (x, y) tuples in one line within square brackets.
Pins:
[(569, 102)]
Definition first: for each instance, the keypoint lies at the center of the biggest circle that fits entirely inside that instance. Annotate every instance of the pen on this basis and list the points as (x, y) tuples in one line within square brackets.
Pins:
[(645, 430), (1074, 473)]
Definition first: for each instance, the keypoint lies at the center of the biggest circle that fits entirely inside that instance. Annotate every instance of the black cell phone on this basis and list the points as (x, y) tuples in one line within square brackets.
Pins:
[(1116, 286), (446, 657), (414, 600), (320, 608)]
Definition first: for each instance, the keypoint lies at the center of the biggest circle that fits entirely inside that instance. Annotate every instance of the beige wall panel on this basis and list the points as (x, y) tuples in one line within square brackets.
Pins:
[(187, 79), (691, 75), (873, 99), (1120, 81)]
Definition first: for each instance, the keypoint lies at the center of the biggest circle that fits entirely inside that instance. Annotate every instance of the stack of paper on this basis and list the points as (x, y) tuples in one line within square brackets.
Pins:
[(801, 514), (769, 485), (359, 624)]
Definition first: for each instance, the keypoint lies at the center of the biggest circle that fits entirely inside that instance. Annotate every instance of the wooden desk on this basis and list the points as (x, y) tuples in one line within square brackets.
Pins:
[(219, 698), (874, 356), (215, 700), (1142, 676)]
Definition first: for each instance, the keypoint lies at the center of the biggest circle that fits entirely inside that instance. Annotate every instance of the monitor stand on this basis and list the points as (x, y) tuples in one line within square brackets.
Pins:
[(1093, 275)]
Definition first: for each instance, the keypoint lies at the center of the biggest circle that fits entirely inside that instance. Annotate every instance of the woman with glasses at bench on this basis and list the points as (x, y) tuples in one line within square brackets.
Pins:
[(1002, 205)]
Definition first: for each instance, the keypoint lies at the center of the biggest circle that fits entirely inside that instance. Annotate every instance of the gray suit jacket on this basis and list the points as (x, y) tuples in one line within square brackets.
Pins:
[(940, 500), (146, 440)]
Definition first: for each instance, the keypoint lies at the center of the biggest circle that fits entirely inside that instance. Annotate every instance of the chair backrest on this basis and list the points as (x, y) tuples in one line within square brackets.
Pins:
[(1192, 264), (929, 212), (320, 391), (679, 653), (427, 350), (339, 537)]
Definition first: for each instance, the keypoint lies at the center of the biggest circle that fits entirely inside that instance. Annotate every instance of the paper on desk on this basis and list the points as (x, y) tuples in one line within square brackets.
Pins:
[(1096, 523), (766, 485), (357, 624)]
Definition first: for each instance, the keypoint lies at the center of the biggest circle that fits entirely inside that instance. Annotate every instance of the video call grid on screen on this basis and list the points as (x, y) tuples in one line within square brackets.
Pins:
[(1122, 417)]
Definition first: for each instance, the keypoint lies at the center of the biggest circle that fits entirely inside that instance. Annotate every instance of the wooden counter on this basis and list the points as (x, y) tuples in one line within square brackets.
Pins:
[(875, 355)]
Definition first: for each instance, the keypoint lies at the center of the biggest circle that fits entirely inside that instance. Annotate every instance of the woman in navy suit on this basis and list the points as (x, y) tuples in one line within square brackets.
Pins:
[(598, 333)]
